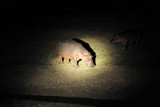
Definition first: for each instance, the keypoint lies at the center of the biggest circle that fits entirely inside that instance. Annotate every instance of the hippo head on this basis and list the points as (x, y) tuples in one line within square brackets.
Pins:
[(88, 59), (115, 39)]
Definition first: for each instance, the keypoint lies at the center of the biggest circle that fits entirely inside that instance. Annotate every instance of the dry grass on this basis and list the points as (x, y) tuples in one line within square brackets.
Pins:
[(117, 75)]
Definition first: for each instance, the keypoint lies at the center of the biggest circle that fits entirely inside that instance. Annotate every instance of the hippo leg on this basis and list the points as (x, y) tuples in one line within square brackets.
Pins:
[(75, 63), (124, 45), (61, 59), (68, 61)]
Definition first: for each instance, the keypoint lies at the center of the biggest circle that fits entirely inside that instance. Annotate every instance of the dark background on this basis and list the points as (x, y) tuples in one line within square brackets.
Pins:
[(19, 17), (28, 14)]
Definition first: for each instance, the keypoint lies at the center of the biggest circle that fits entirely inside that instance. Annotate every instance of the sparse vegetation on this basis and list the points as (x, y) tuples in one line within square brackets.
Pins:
[(33, 68)]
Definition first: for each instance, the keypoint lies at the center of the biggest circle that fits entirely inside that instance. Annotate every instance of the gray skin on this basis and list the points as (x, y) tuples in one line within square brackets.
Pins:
[(72, 50), (128, 38)]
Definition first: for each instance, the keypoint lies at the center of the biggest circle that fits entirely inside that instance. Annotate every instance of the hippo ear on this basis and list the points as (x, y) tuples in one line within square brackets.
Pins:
[(86, 53)]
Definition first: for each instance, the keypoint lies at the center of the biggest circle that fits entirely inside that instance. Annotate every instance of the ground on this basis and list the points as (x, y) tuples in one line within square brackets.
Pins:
[(31, 66)]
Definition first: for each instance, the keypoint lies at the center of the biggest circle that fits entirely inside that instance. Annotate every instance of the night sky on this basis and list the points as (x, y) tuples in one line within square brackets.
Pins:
[(28, 14)]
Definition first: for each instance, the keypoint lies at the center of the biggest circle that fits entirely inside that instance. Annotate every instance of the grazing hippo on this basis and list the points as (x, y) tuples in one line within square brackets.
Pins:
[(70, 49), (128, 38)]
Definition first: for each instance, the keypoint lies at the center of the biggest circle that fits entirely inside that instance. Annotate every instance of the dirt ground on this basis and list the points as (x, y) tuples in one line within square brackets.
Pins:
[(31, 67)]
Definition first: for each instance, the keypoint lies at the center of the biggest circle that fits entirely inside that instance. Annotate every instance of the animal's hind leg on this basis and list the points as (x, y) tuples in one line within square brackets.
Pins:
[(124, 45), (61, 59), (68, 61), (132, 44), (75, 63)]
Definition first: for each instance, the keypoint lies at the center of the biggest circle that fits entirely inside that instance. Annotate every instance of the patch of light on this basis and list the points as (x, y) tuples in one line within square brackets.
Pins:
[(103, 59)]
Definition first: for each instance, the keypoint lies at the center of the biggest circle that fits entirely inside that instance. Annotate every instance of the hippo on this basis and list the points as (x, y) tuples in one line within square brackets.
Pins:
[(128, 38), (72, 50)]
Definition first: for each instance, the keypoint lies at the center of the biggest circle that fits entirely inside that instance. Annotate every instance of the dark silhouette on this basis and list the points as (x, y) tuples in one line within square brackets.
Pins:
[(131, 37)]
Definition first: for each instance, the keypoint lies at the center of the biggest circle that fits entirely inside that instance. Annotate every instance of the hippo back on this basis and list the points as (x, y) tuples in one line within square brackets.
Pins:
[(69, 47)]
